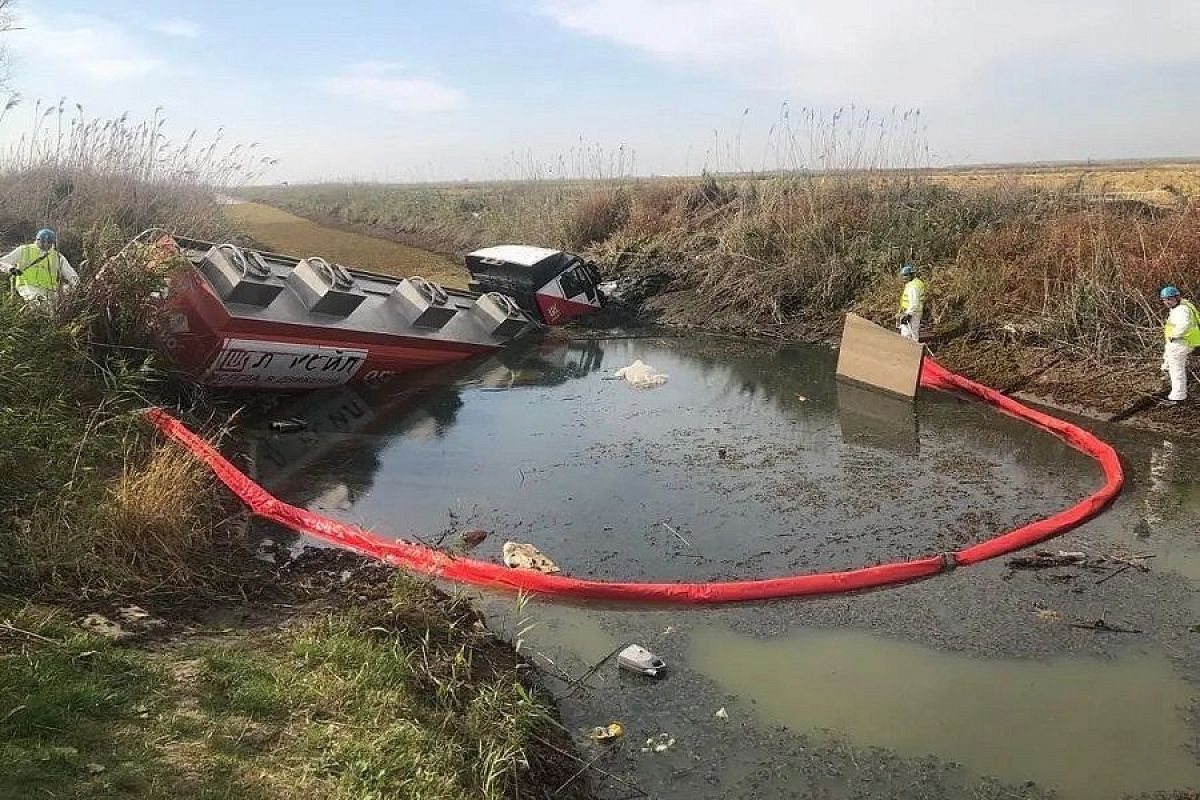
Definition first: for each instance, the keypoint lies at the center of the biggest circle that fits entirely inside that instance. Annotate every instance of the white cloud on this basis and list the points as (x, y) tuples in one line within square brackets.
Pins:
[(379, 84), (92, 46), (175, 26), (900, 51)]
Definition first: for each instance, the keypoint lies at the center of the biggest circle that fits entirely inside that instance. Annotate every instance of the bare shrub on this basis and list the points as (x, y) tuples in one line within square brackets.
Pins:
[(595, 217), (655, 207)]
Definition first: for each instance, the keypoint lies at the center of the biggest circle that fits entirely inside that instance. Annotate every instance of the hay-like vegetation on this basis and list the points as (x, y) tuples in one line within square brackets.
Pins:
[(90, 500), (1071, 264)]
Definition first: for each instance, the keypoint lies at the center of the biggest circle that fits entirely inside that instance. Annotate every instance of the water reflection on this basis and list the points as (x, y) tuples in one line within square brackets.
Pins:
[(546, 362), (1167, 506), (1162, 486), (738, 453), (332, 462), (876, 419), (345, 428)]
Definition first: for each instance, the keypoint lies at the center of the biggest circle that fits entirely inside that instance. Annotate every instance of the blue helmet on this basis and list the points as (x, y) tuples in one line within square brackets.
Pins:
[(907, 271), (45, 234), (1168, 291)]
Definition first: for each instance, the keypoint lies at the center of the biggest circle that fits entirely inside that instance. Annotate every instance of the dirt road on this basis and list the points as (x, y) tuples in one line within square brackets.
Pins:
[(287, 233)]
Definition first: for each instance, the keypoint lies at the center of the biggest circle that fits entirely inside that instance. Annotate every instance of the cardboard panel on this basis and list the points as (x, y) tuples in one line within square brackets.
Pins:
[(878, 357)]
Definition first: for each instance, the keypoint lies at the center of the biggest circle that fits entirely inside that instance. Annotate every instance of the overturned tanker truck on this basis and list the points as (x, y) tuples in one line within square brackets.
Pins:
[(245, 318)]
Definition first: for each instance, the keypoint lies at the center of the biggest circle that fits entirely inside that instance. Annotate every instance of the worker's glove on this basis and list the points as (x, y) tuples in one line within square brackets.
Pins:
[(905, 319), (13, 271)]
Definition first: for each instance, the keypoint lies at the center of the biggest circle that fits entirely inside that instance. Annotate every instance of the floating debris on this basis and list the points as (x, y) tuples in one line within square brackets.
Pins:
[(604, 733), (721, 713), (474, 538), (520, 555), (638, 659), (1102, 625), (659, 744), (1043, 559), (641, 375), (288, 425)]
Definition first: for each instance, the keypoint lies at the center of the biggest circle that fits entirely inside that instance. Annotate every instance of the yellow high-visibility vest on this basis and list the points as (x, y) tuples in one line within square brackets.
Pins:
[(1191, 333), (918, 297), (39, 268)]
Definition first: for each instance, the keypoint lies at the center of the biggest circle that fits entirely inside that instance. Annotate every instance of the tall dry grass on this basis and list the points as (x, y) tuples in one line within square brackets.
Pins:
[(69, 172), (90, 500), (795, 249)]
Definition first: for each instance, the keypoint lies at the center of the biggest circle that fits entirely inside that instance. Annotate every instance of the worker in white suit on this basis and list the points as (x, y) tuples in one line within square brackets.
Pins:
[(912, 303), (1182, 335)]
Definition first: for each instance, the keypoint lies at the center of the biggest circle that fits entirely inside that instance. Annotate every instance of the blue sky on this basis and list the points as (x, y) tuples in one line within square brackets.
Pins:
[(478, 88)]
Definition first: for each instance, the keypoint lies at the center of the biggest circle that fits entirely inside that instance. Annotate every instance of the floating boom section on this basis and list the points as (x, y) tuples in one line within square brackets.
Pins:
[(421, 559)]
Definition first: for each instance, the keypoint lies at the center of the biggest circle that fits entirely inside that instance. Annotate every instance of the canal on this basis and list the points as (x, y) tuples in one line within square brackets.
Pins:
[(751, 461)]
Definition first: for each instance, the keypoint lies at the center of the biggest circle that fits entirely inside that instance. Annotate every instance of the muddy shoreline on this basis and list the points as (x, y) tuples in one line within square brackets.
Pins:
[(1062, 377)]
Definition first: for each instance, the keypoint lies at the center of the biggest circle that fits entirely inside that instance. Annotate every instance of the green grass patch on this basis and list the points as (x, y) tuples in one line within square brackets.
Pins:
[(402, 698), (69, 702)]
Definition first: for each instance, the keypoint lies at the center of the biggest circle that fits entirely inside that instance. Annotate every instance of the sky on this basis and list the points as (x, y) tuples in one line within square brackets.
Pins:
[(479, 89)]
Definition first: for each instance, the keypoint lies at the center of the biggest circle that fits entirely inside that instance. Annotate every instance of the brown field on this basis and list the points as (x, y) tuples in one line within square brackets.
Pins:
[(1151, 182), (287, 233)]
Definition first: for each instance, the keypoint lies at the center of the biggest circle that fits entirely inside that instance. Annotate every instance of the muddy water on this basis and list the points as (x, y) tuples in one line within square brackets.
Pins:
[(751, 461), (723, 472), (1040, 719)]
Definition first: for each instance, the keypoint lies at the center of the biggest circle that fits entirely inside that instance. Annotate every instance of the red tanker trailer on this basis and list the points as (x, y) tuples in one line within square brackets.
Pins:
[(245, 318)]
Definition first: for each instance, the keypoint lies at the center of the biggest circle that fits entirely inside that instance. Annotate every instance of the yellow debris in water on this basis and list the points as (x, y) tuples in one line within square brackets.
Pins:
[(602, 733), (520, 555)]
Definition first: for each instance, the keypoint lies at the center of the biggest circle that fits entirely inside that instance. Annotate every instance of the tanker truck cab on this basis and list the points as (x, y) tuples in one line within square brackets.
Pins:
[(552, 286)]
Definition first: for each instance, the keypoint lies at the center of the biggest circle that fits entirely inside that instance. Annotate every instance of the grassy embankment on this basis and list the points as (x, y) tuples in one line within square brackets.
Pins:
[(1040, 279), (246, 681)]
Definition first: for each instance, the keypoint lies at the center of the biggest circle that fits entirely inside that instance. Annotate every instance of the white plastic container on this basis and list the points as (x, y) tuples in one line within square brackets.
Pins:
[(639, 659)]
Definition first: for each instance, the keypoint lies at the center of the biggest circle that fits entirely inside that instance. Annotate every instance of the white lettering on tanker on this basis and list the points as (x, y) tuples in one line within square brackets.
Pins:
[(283, 365)]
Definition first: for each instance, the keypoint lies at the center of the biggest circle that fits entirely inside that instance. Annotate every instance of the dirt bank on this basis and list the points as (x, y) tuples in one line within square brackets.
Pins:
[(1121, 389)]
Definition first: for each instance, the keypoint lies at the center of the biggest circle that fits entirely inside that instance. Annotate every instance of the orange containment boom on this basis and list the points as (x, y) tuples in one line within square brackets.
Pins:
[(421, 559)]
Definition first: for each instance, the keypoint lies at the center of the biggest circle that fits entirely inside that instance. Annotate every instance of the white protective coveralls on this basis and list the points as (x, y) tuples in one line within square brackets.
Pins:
[(1181, 331), (66, 275), (912, 306)]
